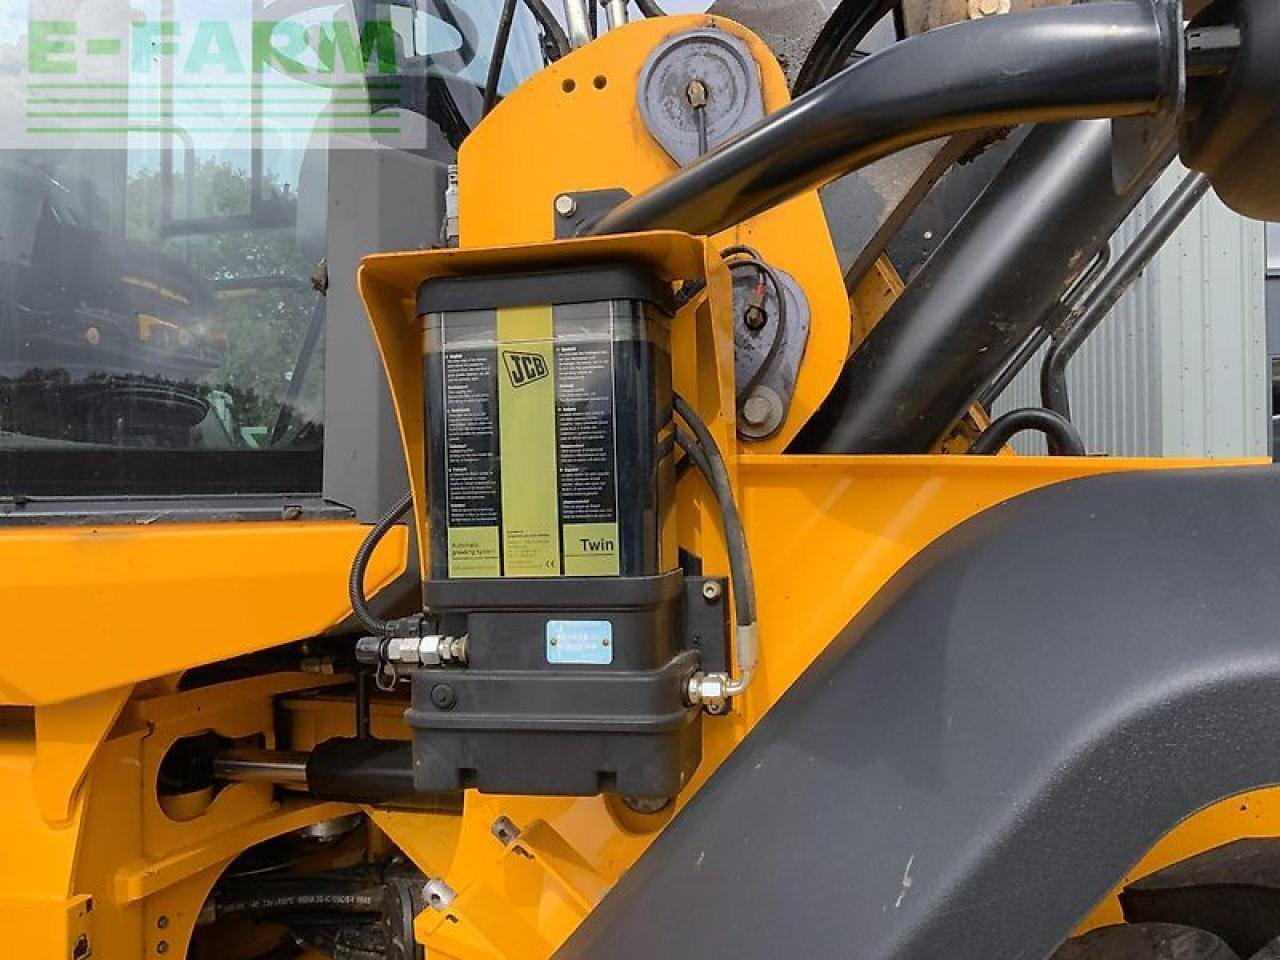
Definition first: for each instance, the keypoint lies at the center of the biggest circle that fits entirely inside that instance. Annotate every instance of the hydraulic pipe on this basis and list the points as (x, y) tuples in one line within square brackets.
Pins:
[(1103, 298), (1064, 438), (359, 770), (615, 13), (578, 23), (1058, 314), (1106, 59), (1013, 255)]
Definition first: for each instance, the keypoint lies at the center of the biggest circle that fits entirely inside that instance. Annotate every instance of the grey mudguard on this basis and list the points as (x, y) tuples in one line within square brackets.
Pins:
[(1017, 717)]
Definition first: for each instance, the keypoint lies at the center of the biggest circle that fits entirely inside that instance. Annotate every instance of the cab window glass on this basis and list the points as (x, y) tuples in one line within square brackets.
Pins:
[(164, 201)]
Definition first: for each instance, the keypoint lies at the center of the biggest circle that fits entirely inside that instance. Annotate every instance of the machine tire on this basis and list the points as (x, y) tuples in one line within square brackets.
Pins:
[(1145, 941), (1224, 902)]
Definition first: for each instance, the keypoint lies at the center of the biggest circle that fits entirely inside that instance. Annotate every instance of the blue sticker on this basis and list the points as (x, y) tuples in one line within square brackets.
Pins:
[(579, 641)]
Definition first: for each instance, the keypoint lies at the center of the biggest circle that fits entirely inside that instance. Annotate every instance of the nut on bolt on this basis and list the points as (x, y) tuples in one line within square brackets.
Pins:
[(711, 591), (566, 206), (710, 690)]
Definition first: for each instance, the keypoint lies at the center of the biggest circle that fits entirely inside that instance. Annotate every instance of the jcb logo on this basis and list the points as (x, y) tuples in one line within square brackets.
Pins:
[(525, 368)]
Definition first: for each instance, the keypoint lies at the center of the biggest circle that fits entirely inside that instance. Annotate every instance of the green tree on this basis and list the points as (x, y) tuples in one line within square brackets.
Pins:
[(264, 326)]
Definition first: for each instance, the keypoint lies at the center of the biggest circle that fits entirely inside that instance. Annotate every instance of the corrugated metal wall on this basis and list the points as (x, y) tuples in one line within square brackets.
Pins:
[(1180, 367)]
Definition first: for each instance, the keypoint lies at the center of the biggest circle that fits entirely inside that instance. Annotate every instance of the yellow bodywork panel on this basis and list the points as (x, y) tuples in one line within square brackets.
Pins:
[(575, 126), (151, 600)]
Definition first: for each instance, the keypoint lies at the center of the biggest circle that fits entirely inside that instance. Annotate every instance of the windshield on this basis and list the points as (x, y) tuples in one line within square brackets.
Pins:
[(165, 204)]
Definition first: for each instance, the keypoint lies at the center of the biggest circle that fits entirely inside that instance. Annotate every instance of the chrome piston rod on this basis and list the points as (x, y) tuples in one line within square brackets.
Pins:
[(286, 767)]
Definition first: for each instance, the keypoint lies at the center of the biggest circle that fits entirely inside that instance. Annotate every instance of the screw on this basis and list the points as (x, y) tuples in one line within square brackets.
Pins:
[(162, 946), (443, 697), (756, 410), (755, 318), (566, 206), (711, 591), (162, 921)]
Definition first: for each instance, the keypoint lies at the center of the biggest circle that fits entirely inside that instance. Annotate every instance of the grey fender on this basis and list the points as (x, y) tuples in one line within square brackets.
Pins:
[(1016, 718)]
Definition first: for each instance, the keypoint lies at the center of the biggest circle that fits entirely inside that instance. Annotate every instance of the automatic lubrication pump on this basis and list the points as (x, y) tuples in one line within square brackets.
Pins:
[(567, 646)]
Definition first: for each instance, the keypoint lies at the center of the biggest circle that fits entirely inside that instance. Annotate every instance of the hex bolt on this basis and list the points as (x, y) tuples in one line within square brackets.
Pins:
[(566, 206), (162, 921), (755, 318), (162, 946), (711, 591), (756, 410), (443, 696)]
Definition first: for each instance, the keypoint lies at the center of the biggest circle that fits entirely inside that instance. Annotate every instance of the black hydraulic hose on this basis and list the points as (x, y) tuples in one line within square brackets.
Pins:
[(550, 26), (650, 8), (738, 568), (839, 37), (360, 564), (1064, 438), (496, 59), (1013, 255), (702, 450), (1103, 298), (1105, 59), (354, 901)]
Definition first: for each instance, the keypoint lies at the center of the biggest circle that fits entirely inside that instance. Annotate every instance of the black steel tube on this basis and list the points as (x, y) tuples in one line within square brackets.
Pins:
[(1103, 298), (1064, 438), (1014, 254), (498, 56), (1057, 315), (1105, 59)]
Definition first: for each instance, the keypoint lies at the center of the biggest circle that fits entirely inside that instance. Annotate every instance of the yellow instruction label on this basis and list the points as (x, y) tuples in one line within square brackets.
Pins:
[(527, 439)]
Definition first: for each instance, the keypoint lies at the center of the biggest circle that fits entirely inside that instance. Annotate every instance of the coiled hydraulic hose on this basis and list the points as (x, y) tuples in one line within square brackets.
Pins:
[(702, 450), (360, 565), (1064, 439)]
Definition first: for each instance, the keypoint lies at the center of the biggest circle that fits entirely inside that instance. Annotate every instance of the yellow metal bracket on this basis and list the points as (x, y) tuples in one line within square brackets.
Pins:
[(68, 736)]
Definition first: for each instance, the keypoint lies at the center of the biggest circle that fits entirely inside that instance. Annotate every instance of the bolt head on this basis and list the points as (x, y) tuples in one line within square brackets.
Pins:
[(756, 410), (566, 206), (711, 591), (443, 696)]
